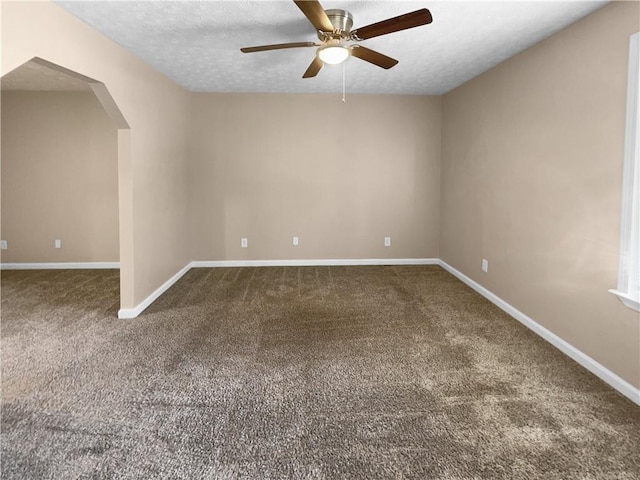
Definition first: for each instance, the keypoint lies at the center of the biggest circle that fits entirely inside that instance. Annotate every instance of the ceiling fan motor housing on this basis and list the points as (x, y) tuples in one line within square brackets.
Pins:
[(342, 22)]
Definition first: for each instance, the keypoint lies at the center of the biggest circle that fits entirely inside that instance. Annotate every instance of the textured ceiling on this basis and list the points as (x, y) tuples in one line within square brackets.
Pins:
[(197, 44)]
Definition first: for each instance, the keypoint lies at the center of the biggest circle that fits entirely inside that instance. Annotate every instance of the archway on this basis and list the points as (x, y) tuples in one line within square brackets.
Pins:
[(41, 75)]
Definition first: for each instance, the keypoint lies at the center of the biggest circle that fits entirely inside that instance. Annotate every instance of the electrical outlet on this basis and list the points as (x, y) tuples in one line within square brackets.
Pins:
[(295, 241), (3, 244), (58, 244), (387, 241), (244, 243), (485, 265)]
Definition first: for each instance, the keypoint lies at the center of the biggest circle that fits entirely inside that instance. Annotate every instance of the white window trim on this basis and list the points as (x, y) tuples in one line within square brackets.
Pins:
[(628, 289)]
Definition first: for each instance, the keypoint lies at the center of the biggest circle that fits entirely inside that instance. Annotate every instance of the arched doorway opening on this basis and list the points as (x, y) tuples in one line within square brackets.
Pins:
[(66, 189)]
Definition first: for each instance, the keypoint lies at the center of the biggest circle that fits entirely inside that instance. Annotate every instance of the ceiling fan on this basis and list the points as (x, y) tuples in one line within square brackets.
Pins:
[(338, 41)]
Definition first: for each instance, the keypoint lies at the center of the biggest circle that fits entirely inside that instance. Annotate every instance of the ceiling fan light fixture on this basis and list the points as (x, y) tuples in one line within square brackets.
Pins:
[(333, 54)]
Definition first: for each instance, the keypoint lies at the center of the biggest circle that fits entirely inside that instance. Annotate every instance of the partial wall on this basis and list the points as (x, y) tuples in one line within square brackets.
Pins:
[(531, 181), (153, 178), (340, 177)]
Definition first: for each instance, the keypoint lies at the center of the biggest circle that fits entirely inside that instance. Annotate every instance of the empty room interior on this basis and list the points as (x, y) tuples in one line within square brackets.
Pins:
[(227, 253)]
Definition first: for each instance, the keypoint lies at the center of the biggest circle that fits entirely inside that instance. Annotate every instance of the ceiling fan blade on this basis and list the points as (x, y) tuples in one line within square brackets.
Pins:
[(372, 56), (395, 24), (277, 46), (313, 69), (316, 14)]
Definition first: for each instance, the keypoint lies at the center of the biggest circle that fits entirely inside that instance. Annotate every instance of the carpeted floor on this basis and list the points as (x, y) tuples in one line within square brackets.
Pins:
[(302, 373)]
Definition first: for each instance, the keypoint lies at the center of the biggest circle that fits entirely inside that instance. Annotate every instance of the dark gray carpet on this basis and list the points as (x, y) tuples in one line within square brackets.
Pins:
[(303, 373)]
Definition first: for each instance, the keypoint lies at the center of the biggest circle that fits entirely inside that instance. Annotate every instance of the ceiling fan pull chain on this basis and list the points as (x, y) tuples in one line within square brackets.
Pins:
[(344, 81)]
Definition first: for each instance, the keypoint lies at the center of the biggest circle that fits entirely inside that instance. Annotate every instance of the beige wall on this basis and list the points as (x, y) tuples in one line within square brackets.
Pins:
[(531, 181), (341, 177), (153, 173), (59, 178)]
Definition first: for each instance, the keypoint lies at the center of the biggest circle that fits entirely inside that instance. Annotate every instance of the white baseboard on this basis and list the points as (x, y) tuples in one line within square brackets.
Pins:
[(59, 265), (316, 263), (137, 310), (587, 362)]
